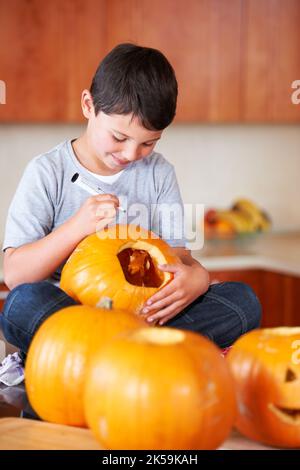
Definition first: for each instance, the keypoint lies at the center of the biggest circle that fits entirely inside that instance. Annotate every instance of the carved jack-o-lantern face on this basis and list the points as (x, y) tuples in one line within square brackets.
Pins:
[(266, 367)]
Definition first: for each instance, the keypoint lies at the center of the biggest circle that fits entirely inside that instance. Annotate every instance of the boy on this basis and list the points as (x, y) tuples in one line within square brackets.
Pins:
[(131, 101)]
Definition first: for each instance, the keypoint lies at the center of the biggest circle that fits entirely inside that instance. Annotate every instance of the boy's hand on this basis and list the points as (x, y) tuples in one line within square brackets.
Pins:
[(189, 283), (95, 213)]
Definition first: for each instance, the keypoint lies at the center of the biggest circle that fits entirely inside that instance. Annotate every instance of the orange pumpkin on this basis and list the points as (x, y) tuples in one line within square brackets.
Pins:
[(56, 364), (266, 368), (160, 388), (119, 262)]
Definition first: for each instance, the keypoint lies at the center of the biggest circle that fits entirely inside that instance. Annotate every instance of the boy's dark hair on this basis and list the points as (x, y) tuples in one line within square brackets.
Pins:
[(137, 80)]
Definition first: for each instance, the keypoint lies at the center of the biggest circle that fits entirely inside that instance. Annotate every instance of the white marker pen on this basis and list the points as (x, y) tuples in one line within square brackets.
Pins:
[(90, 188)]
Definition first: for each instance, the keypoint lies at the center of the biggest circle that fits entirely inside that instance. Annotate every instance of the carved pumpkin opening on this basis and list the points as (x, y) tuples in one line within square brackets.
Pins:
[(290, 375), (139, 268), (288, 415)]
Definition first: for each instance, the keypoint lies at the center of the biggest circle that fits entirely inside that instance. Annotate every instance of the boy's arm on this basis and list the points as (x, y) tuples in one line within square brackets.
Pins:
[(185, 255), (203, 276), (36, 261)]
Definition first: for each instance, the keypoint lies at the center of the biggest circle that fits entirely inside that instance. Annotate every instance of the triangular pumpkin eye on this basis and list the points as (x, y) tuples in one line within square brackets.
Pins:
[(290, 376)]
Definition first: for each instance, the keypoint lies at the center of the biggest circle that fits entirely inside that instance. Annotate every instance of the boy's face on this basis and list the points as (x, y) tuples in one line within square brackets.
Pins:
[(117, 140)]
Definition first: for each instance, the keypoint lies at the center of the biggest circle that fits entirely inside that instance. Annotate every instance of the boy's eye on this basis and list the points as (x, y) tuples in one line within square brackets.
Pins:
[(118, 140), (148, 145), (123, 140)]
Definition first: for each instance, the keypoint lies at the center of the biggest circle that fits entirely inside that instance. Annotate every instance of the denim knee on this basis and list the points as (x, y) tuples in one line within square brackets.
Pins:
[(249, 303), (10, 314), (27, 306), (22, 294), (10, 299)]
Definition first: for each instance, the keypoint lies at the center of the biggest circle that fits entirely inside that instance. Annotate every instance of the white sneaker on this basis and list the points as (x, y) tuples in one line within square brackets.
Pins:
[(12, 370)]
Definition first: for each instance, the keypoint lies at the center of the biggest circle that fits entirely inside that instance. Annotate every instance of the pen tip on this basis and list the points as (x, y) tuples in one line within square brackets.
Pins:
[(74, 177)]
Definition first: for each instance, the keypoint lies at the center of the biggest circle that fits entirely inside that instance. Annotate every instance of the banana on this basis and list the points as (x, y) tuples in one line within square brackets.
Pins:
[(240, 221), (259, 219), (243, 217), (265, 222)]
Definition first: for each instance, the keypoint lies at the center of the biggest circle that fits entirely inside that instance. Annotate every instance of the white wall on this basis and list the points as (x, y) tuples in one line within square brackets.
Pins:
[(217, 164), (214, 164)]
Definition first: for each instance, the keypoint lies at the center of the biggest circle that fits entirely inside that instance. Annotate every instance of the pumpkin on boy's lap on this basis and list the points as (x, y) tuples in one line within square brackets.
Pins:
[(120, 263)]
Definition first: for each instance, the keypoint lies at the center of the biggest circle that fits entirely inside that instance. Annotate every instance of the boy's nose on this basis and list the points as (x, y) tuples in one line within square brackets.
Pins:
[(130, 154)]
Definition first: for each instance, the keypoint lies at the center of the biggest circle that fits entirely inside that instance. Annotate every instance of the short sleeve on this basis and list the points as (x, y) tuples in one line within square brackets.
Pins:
[(31, 212), (168, 213)]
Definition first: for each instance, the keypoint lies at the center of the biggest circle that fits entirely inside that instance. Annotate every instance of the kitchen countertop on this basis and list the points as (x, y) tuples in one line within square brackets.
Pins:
[(279, 252), (270, 251), (14, 403)]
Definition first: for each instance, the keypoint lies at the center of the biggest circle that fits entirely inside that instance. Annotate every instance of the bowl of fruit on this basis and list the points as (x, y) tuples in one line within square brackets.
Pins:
[(242, 220)]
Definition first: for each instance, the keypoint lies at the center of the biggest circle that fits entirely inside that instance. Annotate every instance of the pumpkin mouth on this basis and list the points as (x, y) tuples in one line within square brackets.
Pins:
[(139, 264), (288, 415)]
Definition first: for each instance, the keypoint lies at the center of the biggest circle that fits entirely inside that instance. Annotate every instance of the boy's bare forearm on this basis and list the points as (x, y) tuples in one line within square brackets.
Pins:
[(36, 261)]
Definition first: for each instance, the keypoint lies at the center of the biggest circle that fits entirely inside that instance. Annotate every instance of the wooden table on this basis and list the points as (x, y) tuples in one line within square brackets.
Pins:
[(21, 433)]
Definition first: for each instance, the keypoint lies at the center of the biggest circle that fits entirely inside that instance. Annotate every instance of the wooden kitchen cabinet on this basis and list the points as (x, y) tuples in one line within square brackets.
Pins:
[(281, 300), (253, 277), (278, 294), (235, 60), (202, 41), (270, 60), (48, 55)]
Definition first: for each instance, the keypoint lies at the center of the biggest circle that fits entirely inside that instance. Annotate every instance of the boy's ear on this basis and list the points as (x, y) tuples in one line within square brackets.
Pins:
[(87, 104)]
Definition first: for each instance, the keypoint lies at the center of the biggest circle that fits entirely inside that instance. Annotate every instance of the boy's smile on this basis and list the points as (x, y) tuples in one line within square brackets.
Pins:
[(120, 162), (112, 142)]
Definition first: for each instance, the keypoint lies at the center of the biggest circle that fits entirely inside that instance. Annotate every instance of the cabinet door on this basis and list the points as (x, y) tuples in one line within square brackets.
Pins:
[(293, 293), (282, 299), (270, 60), (201, 39), (278, 294), (48, 54), (275, 299), (235, 60), (252, 277)]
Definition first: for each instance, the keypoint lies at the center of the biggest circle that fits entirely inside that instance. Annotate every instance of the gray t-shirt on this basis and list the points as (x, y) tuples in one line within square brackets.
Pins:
[(46, 197)]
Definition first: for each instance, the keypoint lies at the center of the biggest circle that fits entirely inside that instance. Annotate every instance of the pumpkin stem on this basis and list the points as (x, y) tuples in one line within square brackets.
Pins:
[(105, 302)]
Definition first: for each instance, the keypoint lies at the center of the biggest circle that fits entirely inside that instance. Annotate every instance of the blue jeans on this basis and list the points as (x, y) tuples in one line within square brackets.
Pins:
[(225, 312)]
